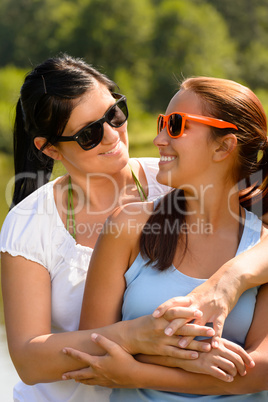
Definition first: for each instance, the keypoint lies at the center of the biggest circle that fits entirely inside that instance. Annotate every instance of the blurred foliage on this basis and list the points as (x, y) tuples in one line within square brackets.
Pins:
[(11, 79), (189, 40), (6, 174), (248, 27), (146, 46)]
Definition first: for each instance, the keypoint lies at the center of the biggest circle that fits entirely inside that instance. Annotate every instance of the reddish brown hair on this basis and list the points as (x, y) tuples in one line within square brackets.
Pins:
[(234, 103)]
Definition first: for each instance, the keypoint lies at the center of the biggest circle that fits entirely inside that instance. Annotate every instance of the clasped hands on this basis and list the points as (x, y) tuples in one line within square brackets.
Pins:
[(165, 338)]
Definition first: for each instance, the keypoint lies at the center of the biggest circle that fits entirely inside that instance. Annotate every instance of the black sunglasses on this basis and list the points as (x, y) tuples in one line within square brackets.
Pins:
[(91, 135)]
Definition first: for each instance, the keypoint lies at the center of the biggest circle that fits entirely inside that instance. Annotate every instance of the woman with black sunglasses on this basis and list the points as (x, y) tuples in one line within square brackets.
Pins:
[(70, 112), (209, 142)]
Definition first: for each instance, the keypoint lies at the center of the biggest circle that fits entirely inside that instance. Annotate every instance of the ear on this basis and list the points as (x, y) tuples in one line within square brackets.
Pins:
[(225, 146), (49, 150)]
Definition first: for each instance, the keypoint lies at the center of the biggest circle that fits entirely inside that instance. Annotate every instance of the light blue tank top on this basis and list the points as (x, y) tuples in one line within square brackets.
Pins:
[(148, 287)]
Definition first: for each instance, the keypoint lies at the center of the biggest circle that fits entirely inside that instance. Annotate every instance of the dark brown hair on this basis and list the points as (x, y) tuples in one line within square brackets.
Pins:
[(47, 98), (234, 103)]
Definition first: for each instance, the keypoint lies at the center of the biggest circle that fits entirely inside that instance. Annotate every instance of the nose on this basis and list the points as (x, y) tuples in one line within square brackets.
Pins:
[(162, 139), (110, 135)]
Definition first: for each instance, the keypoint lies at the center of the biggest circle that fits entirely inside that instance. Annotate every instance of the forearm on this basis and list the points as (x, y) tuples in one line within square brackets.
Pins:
[(178, 380), (247, 270), (142, 335), (161, 378), (41, 359), (250, 267)]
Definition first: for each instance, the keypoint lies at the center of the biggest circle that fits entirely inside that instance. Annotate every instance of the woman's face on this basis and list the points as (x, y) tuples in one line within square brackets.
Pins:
[(185, 162), (111, 154)]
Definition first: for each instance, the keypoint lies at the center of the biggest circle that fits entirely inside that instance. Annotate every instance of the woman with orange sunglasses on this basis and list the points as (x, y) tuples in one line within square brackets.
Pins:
[(209, 143)]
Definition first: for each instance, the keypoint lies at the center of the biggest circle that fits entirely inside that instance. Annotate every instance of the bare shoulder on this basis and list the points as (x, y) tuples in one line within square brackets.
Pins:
[(126, 223), (138, 212), (264, 234), (265, 219)]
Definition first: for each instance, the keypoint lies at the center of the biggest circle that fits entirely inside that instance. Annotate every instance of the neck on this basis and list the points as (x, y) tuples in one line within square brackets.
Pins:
[(101, 192), (214, 205)]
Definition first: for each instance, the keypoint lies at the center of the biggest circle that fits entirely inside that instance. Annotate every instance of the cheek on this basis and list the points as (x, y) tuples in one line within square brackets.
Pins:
[(123, 134)]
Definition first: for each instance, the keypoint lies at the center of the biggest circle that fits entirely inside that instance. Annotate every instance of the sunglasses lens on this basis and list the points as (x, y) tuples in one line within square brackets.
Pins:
[(175, 124), (118, 114), (160, 124), (90, 136)]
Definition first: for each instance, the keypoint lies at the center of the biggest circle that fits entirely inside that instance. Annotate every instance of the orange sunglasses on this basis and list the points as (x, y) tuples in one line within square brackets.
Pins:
[(175, 123)]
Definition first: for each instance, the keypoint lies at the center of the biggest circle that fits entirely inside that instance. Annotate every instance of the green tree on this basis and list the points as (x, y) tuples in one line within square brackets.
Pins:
[(191, 38), (247, 22), (33, 30), (115, 36), (10, 83)]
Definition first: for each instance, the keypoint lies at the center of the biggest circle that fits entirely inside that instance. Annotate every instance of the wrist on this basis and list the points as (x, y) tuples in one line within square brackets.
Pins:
[(135, 334), (250, 267), (237, 274), (230, 285), (126, 334)]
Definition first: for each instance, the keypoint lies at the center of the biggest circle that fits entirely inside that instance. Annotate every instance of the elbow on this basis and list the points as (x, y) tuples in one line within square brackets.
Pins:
[(24, 374), (26, 365), (260, 372), (28, 380), (260, 382), (256, 379), (30, 375), (24, 371)]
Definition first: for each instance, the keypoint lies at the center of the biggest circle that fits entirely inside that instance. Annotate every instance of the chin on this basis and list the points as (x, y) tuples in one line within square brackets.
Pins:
[(162, 178), (119, 163), (124, 157)]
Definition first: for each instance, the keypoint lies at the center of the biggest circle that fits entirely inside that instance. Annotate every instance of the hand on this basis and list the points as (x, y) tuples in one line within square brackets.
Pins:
[(215, 298), (146, 335), (222, 363), (113, 370)]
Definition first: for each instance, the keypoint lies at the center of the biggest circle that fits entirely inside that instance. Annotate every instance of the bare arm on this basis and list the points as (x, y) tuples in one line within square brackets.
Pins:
[(265, 219), (27, 307), (26, 288), (257, 346), (215, 297), (106, 282), (125, 372)]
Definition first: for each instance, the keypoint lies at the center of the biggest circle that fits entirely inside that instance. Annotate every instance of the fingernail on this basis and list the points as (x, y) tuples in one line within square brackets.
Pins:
[(64, 377), (230, 378), (156, 313), (245, 372), (94, 336), (182, 343), (198, 313), (215, 344), (210, 332), (206, 346), (168, 331), (252, 364), (194, 355)]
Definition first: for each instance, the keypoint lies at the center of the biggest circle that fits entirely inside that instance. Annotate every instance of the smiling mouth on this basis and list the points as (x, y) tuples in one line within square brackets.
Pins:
[(167, 158), (114, 150)]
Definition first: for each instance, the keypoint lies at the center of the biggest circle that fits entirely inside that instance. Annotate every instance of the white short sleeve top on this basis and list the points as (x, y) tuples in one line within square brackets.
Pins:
[(34, 230)]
